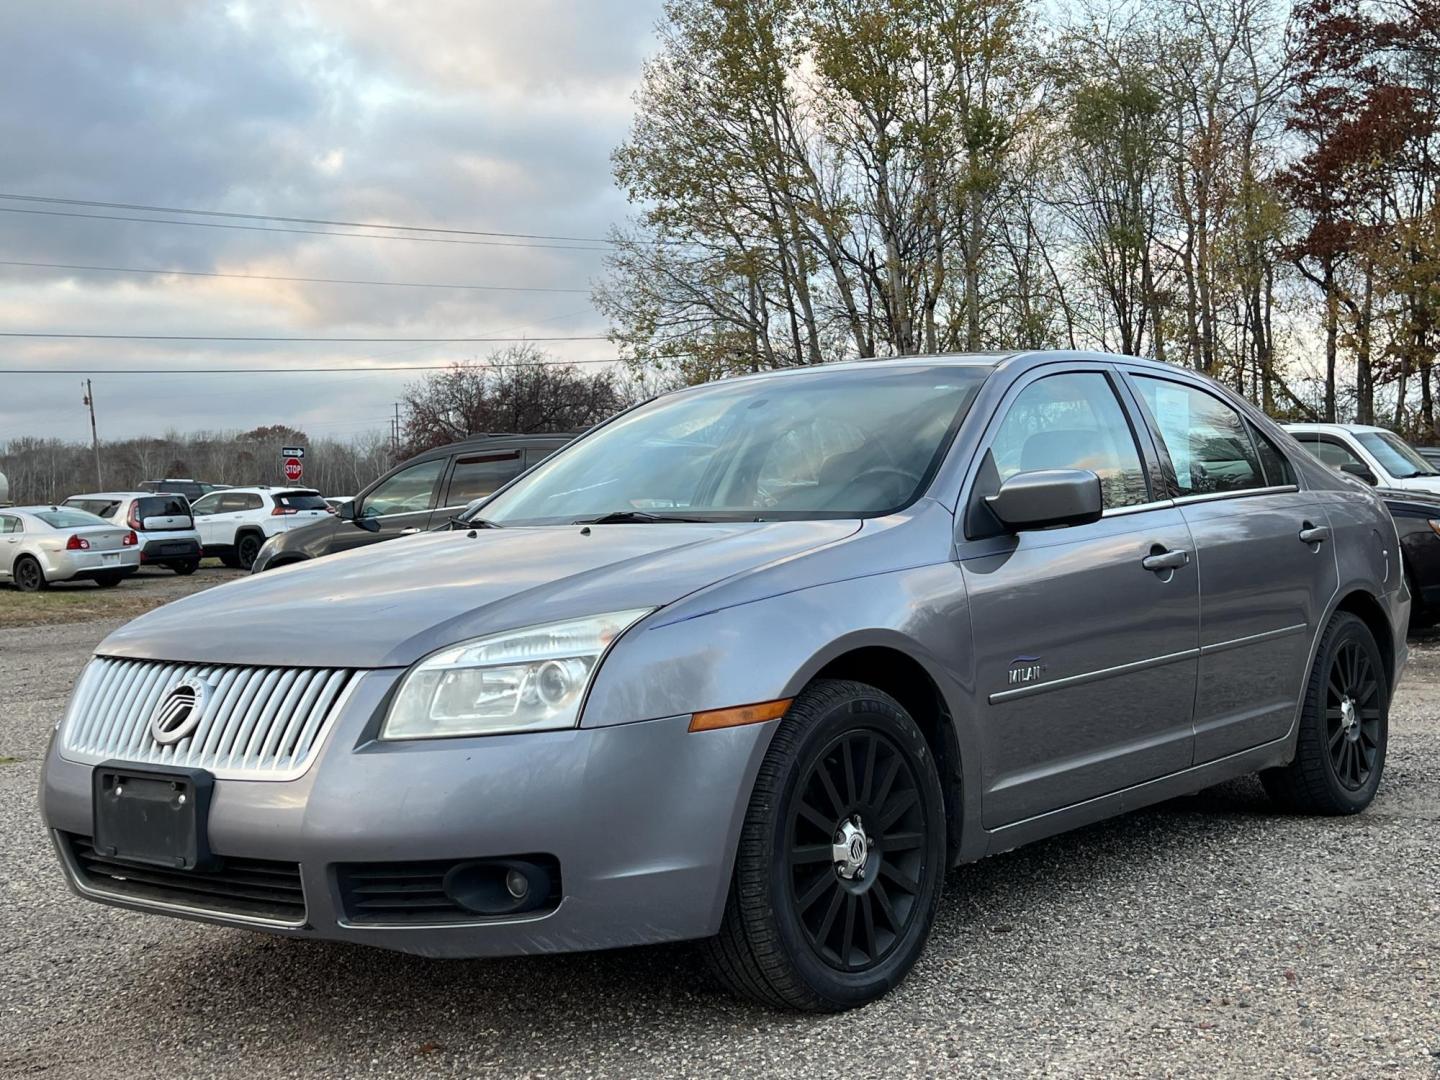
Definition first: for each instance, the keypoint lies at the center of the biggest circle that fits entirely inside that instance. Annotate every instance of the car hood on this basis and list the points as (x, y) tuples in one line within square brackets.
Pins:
[(390, 604)]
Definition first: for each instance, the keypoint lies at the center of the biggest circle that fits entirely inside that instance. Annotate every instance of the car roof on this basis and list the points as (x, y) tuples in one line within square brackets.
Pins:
[(120, 495), (264, 489)]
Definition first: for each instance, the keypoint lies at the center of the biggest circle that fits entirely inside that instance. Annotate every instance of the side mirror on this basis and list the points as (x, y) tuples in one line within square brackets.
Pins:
[(346, 512), (1047, 497), (1359, 471)]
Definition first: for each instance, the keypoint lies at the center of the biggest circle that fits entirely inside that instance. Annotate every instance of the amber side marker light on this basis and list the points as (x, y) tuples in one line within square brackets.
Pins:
[(741, 714)]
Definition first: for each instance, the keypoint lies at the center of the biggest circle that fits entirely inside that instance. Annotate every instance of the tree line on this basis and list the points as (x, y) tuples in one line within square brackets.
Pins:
[(1241, 187)]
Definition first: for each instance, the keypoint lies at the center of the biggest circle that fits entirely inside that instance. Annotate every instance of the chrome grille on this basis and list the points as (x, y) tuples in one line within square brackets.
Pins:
[(260, 723)]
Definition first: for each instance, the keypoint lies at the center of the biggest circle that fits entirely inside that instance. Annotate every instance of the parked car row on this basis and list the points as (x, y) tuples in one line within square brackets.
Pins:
[(42, 544)]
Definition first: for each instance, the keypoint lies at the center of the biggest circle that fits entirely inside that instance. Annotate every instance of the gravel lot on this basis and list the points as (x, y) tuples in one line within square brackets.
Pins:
[(1208, 937)]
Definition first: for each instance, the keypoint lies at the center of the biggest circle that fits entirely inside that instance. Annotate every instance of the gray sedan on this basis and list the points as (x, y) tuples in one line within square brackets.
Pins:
[(753, 663), (44, 544)]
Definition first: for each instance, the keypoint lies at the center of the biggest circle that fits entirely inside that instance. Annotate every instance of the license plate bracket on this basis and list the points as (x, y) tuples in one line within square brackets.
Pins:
[(154, 816)]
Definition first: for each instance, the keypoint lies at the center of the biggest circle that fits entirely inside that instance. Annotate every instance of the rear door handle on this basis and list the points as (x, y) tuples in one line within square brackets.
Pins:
[(1161, 561), (1314, 534)]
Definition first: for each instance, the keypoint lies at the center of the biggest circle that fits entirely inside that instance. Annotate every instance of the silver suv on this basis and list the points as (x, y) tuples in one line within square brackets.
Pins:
[(755, 663)]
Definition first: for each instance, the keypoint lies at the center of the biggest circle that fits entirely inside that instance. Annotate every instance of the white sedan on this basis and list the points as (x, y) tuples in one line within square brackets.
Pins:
[(40, 545)]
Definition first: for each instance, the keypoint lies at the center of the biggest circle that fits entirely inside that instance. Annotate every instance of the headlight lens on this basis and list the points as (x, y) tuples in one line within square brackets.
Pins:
[(523, 680)]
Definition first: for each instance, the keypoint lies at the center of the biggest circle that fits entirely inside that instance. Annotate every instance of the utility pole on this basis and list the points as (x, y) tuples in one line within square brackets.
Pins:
[(395, 443), (94, 437)]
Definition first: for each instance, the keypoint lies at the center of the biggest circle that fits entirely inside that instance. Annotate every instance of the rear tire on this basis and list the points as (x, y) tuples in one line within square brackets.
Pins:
[(110, 579), (847, 771), (1344, 726), (247, 547), (230, 559), (28, 574)]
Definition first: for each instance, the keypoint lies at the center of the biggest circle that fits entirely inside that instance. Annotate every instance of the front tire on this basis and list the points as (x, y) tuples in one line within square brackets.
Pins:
[(841, 857), (1344, 726), (186, 568)]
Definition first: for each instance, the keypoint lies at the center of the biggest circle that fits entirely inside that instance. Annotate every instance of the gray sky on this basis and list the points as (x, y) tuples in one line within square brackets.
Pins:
[(474, 114)]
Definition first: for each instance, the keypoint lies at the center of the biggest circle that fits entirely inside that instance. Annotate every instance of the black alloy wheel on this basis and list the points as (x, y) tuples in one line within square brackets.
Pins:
[(855, 854), (1344, 726), (841, 857), (28, 575), (246, 549), (1352, 715)]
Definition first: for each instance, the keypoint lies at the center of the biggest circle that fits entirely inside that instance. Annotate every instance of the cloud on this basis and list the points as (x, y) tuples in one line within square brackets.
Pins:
[(474, 115)]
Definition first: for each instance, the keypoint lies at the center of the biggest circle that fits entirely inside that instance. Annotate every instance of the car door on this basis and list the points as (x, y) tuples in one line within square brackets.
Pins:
[(1085, 636), (11, 534), (1266, 560), (204, 512), (401, 503)]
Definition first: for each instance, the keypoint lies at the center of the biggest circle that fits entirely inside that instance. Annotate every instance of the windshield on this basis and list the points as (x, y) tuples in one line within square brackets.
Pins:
[(1396, 455), (839, 443)]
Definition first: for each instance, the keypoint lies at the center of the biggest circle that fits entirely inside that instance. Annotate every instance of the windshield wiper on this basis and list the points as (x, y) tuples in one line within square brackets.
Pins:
[(632, 517), (473, 523)]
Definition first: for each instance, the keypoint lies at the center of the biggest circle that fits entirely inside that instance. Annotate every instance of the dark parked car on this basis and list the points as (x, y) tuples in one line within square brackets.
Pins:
[(1430, 454), (1417, 521), (416, 495)]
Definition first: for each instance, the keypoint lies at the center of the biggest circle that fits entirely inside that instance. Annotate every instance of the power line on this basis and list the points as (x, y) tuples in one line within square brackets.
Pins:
[(288, 370), (279, 277), (330, 340), (306, 232), (299, 220)]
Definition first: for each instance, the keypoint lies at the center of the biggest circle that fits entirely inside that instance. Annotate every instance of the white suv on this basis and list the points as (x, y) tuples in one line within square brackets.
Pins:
[(1373, 454), (162, 525), (234, 523)]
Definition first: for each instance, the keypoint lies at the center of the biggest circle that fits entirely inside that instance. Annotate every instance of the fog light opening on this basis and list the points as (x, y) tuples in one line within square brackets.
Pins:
[(500, 886)]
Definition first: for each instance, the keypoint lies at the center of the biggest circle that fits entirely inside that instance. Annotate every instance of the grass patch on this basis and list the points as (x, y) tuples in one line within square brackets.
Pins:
[(82, 601), (5, 760)]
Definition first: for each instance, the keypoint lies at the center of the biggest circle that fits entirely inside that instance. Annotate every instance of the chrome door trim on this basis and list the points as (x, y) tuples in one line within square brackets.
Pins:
[(1252, 639), (1246, 493), (1092, 676)]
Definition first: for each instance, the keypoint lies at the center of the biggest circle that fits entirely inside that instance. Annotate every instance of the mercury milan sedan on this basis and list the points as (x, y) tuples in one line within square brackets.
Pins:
[(756, 663)]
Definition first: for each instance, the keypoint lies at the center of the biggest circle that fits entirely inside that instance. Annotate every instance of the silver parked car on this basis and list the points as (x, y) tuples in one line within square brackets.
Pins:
[(40, 545), (755, 662), (164, 529)]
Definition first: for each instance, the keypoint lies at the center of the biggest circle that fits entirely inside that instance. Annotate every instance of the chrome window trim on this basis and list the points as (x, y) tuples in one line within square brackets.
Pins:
[(76, 882), (1138, 508), (1244, 493)]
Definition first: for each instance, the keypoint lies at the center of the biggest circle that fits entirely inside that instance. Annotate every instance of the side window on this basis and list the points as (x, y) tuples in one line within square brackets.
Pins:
[(1273, 463), (10, 524), (249, 501), (480, 474), (1072, 422), (206, 506), (1207, 439), (408, 491), (537, 454), (1335, 454)]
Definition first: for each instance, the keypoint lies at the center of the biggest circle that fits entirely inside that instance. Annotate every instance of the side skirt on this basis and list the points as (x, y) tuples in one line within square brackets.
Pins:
[(1186, 782)]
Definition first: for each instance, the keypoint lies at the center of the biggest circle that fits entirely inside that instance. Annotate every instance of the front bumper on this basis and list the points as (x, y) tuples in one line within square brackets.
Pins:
[(643, 819)]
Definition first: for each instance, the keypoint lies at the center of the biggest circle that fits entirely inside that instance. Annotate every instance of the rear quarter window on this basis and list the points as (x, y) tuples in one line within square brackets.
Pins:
[(303, 500)]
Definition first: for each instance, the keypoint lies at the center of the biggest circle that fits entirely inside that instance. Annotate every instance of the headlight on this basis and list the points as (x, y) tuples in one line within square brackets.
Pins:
[(523, 680)]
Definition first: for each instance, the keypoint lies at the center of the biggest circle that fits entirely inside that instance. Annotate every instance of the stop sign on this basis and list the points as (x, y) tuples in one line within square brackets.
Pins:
[(293, 469)]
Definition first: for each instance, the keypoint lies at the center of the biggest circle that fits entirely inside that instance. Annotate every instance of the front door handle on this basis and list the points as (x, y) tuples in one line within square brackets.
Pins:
[(1314, 534), (1161, 561), (407, 532)]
